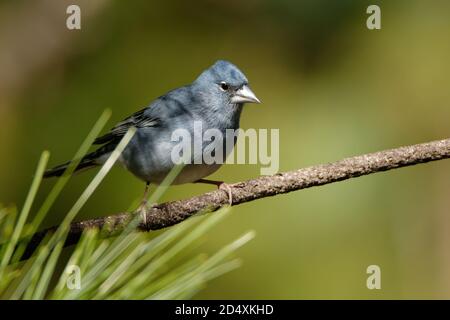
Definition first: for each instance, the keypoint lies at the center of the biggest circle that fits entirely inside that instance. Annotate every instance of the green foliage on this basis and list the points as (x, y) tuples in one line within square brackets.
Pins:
[(131, 265)]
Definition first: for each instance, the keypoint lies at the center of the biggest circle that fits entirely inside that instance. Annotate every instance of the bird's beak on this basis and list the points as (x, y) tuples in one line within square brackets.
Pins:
[(244, 95)]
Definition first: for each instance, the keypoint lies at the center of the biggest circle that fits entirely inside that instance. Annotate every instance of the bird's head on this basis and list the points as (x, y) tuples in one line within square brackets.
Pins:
[(226, 82)]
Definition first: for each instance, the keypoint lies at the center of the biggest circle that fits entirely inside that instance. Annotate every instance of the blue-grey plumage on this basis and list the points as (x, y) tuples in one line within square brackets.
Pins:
[(215, 99)]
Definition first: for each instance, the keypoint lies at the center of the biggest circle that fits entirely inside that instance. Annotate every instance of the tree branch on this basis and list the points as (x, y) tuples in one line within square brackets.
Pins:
[(171, 213)]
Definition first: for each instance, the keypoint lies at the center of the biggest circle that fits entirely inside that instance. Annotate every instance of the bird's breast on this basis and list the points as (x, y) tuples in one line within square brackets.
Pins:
[(149, 155)]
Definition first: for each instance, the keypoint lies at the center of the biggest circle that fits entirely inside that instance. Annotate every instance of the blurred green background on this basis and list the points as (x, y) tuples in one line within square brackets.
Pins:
[(332, 87)]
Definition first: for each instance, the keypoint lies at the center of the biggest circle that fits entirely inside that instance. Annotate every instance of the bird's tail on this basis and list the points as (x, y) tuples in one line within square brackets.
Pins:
[(90, 160), (57, 171)]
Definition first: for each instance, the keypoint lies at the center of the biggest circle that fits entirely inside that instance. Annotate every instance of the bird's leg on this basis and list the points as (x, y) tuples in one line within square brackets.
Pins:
[(142, 209), (220, 185)]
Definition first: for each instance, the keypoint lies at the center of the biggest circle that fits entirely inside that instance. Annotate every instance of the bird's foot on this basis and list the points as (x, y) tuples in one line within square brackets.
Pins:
[(143, 208), (142, 211), (220, 185), (227, 188)]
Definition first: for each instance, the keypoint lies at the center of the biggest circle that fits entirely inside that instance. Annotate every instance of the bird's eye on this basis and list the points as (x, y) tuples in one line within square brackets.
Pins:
[(224, 86)]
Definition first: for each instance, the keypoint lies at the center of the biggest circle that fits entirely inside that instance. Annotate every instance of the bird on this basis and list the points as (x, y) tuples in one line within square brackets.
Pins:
[(215, 99)]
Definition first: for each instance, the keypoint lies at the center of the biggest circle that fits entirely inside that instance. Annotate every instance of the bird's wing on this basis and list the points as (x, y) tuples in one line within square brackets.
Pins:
[(139, 119), (168, 106)]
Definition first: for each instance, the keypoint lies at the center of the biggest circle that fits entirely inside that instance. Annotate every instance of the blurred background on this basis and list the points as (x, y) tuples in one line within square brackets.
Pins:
[(332, 87)]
